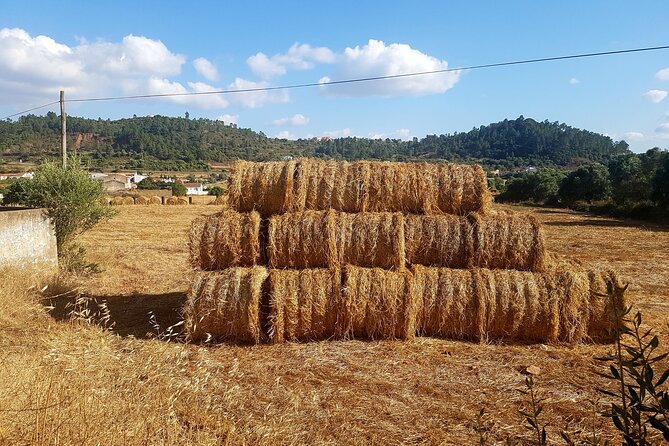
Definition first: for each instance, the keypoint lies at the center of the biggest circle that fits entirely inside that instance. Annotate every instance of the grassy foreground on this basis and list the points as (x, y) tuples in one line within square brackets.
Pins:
[(70, 382)]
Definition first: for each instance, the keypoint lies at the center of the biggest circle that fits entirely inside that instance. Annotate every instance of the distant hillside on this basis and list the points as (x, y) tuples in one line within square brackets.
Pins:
[(151, 142)]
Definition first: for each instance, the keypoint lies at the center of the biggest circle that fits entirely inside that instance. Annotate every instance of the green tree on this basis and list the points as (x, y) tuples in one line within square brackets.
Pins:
[(660, 182), (179, 190), (216, 190), (148, 184), (587, 183), (629, 181), (539, 187), (71, 197)]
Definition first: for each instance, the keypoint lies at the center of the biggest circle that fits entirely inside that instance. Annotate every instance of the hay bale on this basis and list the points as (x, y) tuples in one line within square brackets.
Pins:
[(120, 201), (378, 304), (517, 305), (302, 240), (221, 200), (225, 305), (224, 240), (370, 239), (361, 186), (105, 200), (508, 241), (264, 187), (155, 200), (176, 201), (445, 303), (439, 240), (332, 239), (141, 200), (304, 304), (128, 200), (604, 303)]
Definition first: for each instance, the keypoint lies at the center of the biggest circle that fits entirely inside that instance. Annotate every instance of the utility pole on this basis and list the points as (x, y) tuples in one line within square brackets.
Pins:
[(63, 128)]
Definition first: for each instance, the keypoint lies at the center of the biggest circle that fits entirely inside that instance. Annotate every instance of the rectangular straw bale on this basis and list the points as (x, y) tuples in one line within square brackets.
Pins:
[(438, 240), (508, 241), (264, 187), (445, 303), (378, 304), (225, 305), (224, 240), (370, 239), (304, 304), (302, 240)]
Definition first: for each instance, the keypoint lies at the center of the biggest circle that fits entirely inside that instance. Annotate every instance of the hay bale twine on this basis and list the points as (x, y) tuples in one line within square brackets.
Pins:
[(224, 240), (264, 187), (155, 200), (438, 240), (304, 305), (225, 305), (508, 241), (141, 200), (378, 304)]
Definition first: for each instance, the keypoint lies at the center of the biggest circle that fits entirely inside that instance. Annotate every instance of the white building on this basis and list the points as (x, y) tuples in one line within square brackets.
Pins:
[(195, 189)]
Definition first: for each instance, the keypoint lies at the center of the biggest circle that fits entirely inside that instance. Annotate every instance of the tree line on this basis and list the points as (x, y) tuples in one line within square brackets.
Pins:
[(156, 142), (635, 185)]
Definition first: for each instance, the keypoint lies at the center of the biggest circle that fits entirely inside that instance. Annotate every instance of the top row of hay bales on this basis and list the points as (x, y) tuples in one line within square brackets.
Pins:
[(362, 186), (127, 200)]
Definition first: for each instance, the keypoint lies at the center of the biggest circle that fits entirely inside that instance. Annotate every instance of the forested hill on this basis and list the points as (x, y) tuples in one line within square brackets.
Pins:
[(158, 139)]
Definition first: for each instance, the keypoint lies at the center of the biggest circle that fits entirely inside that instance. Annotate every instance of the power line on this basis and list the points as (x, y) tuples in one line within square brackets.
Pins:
[(355, 80), (31, 109)]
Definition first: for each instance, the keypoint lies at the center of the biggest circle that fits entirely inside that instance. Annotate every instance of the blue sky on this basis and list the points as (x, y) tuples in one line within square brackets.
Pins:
[(93, 49)]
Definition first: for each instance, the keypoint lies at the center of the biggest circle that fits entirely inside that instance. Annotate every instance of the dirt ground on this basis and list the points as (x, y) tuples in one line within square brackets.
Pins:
[(424, 391)]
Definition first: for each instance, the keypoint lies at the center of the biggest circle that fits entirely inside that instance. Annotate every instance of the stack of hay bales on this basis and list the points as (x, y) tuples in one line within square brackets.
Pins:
[(309, 250)]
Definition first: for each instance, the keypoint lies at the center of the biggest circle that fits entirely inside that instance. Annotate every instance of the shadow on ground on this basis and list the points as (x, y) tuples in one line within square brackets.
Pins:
[(609, 222), (130, 315)]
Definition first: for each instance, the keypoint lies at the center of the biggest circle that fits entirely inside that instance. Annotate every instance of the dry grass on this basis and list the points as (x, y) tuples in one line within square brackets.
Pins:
[(69, 383)]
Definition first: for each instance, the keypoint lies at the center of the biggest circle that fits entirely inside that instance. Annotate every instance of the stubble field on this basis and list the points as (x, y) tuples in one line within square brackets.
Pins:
[(71, 382)]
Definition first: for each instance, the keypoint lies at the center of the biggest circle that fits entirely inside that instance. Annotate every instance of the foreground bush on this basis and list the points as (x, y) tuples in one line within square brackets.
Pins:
[(71, 197)]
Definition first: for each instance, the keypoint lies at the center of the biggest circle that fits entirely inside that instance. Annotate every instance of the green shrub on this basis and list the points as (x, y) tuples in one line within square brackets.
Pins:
[(179, 190), (71, 197), (216, 190)]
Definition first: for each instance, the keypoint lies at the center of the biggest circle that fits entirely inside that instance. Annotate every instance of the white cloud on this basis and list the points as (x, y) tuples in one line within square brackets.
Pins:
[(573, 81), (228, 119), (297, 119), (633, 136), (35, 68), (655, 95), (253, 99), (285, 134), (403, 134), (378, 59), (663, 74), (663, 129), (343, 133), (206, 68), (157, 85), (298, 57)]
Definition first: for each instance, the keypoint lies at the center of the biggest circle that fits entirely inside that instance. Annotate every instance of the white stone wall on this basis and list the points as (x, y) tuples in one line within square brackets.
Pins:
[(27, 239)]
